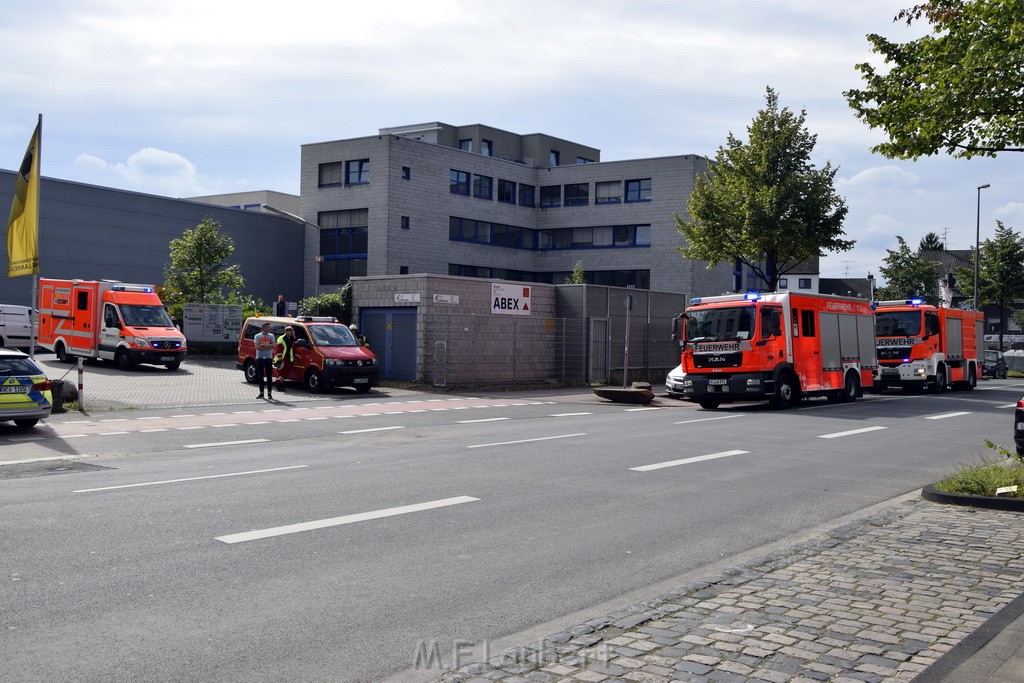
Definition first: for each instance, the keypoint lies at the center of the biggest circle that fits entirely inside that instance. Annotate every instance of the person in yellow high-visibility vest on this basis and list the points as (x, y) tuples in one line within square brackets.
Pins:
[(284, 356)]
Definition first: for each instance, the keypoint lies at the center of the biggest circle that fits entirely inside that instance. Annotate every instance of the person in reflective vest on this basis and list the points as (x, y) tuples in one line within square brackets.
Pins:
[(285, 355)]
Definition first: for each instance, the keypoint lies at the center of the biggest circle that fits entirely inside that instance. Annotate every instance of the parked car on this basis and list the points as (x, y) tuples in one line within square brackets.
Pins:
[(327, 354), (1018, 427), (674, 382), (994, 365), (15, 327), (24, 390)]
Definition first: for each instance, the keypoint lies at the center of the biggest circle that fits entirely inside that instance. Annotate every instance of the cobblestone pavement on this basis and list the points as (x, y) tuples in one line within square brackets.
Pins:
[(877, 600)]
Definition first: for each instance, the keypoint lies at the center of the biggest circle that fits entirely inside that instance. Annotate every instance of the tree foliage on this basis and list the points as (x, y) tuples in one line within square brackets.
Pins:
[(197, 272), (577, 276), (337, 304), (763, 202), (1000, 273), (931, 242), (957, 90), (908, 274)]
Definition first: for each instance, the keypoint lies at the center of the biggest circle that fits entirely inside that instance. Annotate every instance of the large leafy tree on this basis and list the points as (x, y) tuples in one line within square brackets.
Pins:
[(958, 90), (1000, 273), (197, 272), (763, 202), (908, 274), (931, 242)]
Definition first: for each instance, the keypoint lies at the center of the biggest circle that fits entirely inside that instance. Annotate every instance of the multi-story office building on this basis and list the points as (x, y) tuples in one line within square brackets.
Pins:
[(482, 202)]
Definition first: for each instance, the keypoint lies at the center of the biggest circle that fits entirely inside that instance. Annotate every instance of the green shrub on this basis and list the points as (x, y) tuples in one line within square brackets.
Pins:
[(985, 478)]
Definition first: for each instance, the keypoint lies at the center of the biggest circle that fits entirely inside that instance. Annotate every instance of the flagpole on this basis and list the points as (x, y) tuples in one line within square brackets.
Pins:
[(34, 301)]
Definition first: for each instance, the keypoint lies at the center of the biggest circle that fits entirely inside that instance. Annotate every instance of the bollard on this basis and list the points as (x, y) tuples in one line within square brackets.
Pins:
[(81, 392)]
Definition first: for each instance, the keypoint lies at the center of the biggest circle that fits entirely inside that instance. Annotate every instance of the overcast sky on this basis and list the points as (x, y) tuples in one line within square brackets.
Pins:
[(199, 97)]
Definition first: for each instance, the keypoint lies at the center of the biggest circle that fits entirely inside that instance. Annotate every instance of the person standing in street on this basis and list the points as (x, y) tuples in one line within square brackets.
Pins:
[(281, 306), (264, 342), (286, 354)]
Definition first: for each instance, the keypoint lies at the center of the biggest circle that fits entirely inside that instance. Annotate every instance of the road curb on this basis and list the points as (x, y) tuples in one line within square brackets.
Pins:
[(930, 493)]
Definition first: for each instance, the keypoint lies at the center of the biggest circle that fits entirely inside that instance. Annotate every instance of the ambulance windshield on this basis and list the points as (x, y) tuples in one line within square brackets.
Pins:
[(332, 335), (897, 323), (720, 324), (136, 315)]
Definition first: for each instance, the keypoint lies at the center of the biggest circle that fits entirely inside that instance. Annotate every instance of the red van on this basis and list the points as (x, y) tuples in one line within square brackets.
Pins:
[(327, 354)]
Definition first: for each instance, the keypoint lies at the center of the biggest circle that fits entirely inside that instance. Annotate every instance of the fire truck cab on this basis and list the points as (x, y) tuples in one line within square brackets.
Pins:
[(780, 346), (921, 346)]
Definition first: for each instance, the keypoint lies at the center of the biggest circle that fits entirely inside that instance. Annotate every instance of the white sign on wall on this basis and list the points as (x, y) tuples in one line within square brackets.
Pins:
[(412, 298), (446, 298), (510, 299), (212, 322)]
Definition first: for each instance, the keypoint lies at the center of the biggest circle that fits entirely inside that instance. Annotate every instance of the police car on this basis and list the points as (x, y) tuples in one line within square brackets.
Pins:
[(24, 390)]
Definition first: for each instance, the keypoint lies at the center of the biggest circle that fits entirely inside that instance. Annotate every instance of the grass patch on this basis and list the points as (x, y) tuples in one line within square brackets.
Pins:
[(983, 479)]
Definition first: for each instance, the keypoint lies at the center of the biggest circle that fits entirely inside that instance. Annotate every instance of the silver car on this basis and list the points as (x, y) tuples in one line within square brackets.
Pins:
[(674, 382)]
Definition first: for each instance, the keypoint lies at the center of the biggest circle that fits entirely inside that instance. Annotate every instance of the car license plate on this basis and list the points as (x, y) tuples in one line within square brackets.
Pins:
[(890, 371), (166, 359), (718, 382), (14, 389), (361, 380)]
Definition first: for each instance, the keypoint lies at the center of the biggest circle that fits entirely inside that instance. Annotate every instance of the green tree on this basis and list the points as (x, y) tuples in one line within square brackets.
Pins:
[(1000, 273), (577, 276), (197, 272), (337, 304), (957, 90), (931, 242), (908, 274), (763, 202)]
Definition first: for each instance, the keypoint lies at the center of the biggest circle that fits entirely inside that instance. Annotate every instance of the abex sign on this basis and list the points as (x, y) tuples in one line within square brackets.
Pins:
[(510, 299)]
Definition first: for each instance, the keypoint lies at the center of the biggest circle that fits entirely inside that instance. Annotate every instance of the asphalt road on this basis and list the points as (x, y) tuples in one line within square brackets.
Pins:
[(440, 519)]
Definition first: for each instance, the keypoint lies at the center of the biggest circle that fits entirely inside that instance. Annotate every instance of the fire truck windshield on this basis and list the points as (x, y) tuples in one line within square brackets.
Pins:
[(898, 323), (137, 315), (720, 324)]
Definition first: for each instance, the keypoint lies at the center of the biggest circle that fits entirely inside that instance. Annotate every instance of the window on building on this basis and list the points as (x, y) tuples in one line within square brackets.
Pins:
[(783, 283), (609, 192), (357, 172), (577, 194), (406, 173), (331, 174), (458, 182), (483, 186), (403, 270), (550, 196), (584, 160), (404, 222), (466, 144), (804, 283), (506, 191), (344, 237), (554, 157), (643, 236), (486, 148), (638, 190), (527, 195)]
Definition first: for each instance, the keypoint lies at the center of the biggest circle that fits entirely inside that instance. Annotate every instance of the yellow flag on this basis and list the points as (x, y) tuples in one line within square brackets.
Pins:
[(23, 225)]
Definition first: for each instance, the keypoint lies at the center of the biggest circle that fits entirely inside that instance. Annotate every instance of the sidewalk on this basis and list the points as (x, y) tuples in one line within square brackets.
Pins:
[(908, 590), (917, 591)]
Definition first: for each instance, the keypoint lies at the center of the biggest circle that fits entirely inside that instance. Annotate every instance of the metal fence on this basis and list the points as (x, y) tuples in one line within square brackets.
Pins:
[(478, 350)]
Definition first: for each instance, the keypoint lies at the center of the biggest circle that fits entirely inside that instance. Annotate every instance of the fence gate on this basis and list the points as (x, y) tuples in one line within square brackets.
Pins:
[(599, 369), (392, 336)]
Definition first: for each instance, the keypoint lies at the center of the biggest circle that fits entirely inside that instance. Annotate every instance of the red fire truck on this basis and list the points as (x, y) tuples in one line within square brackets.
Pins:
[(922, 346), (781, 347)]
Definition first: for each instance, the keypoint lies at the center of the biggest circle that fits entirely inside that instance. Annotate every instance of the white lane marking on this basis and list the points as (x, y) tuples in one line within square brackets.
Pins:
[(182, 415), (1008, 405), (211, 414), (339, 521), (707, 419), (185, 429), (485, 419), (510, 443), (155, 417), (33, 438), (850, 433), (150, 431), (175, 481), (224, 443), (568, 414), (45, 459), (638, 410), (115, 419), (945, 415), (229, 424), (686, 461), (110, 433), (374, 429)]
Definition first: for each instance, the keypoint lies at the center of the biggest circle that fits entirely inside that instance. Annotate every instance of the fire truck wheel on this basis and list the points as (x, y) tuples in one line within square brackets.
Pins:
[(850, 388), (709, 403), (786, 394), (62, 353), (122, 361), (940, 380), (314, 381)]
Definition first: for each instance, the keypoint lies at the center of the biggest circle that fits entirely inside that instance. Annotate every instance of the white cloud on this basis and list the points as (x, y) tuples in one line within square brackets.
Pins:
[(1011, 214), (878, 178), (150, 170)]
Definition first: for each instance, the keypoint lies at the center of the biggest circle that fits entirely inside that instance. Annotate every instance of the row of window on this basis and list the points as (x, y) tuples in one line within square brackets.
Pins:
[(501, 235), (355, 172), (573, 194), (641, 279)]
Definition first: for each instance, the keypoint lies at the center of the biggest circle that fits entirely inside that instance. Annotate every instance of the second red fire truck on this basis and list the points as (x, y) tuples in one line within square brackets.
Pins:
[(780, 346)]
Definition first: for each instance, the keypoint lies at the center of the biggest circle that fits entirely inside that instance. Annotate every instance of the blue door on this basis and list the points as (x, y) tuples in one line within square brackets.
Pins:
[(392, 336)]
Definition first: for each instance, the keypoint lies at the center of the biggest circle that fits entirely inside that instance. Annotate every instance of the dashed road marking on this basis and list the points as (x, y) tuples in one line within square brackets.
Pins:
[(175, 481), (224, 443), (686, 461), (851, 432), (510, 443)]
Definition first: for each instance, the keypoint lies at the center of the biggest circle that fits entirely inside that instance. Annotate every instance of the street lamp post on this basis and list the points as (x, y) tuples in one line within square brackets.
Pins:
[(977, 244)]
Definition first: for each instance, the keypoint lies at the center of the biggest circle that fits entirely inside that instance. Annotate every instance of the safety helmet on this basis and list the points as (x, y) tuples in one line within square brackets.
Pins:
[(353, 327)]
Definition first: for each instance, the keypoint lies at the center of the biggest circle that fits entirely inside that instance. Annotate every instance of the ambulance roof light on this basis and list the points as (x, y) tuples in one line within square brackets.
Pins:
[(915, 302), (752, 296)]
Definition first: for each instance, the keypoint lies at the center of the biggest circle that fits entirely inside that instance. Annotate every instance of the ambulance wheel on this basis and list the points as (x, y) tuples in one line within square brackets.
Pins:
[(940, 380), (362, 388), (62, 354), (851, 388), (173, 366), (786, 393), (249, 369), (314, 381), (122, 361), (709, 403)]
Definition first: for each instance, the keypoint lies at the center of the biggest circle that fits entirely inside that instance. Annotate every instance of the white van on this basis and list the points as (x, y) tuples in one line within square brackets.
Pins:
[(15, 327)]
